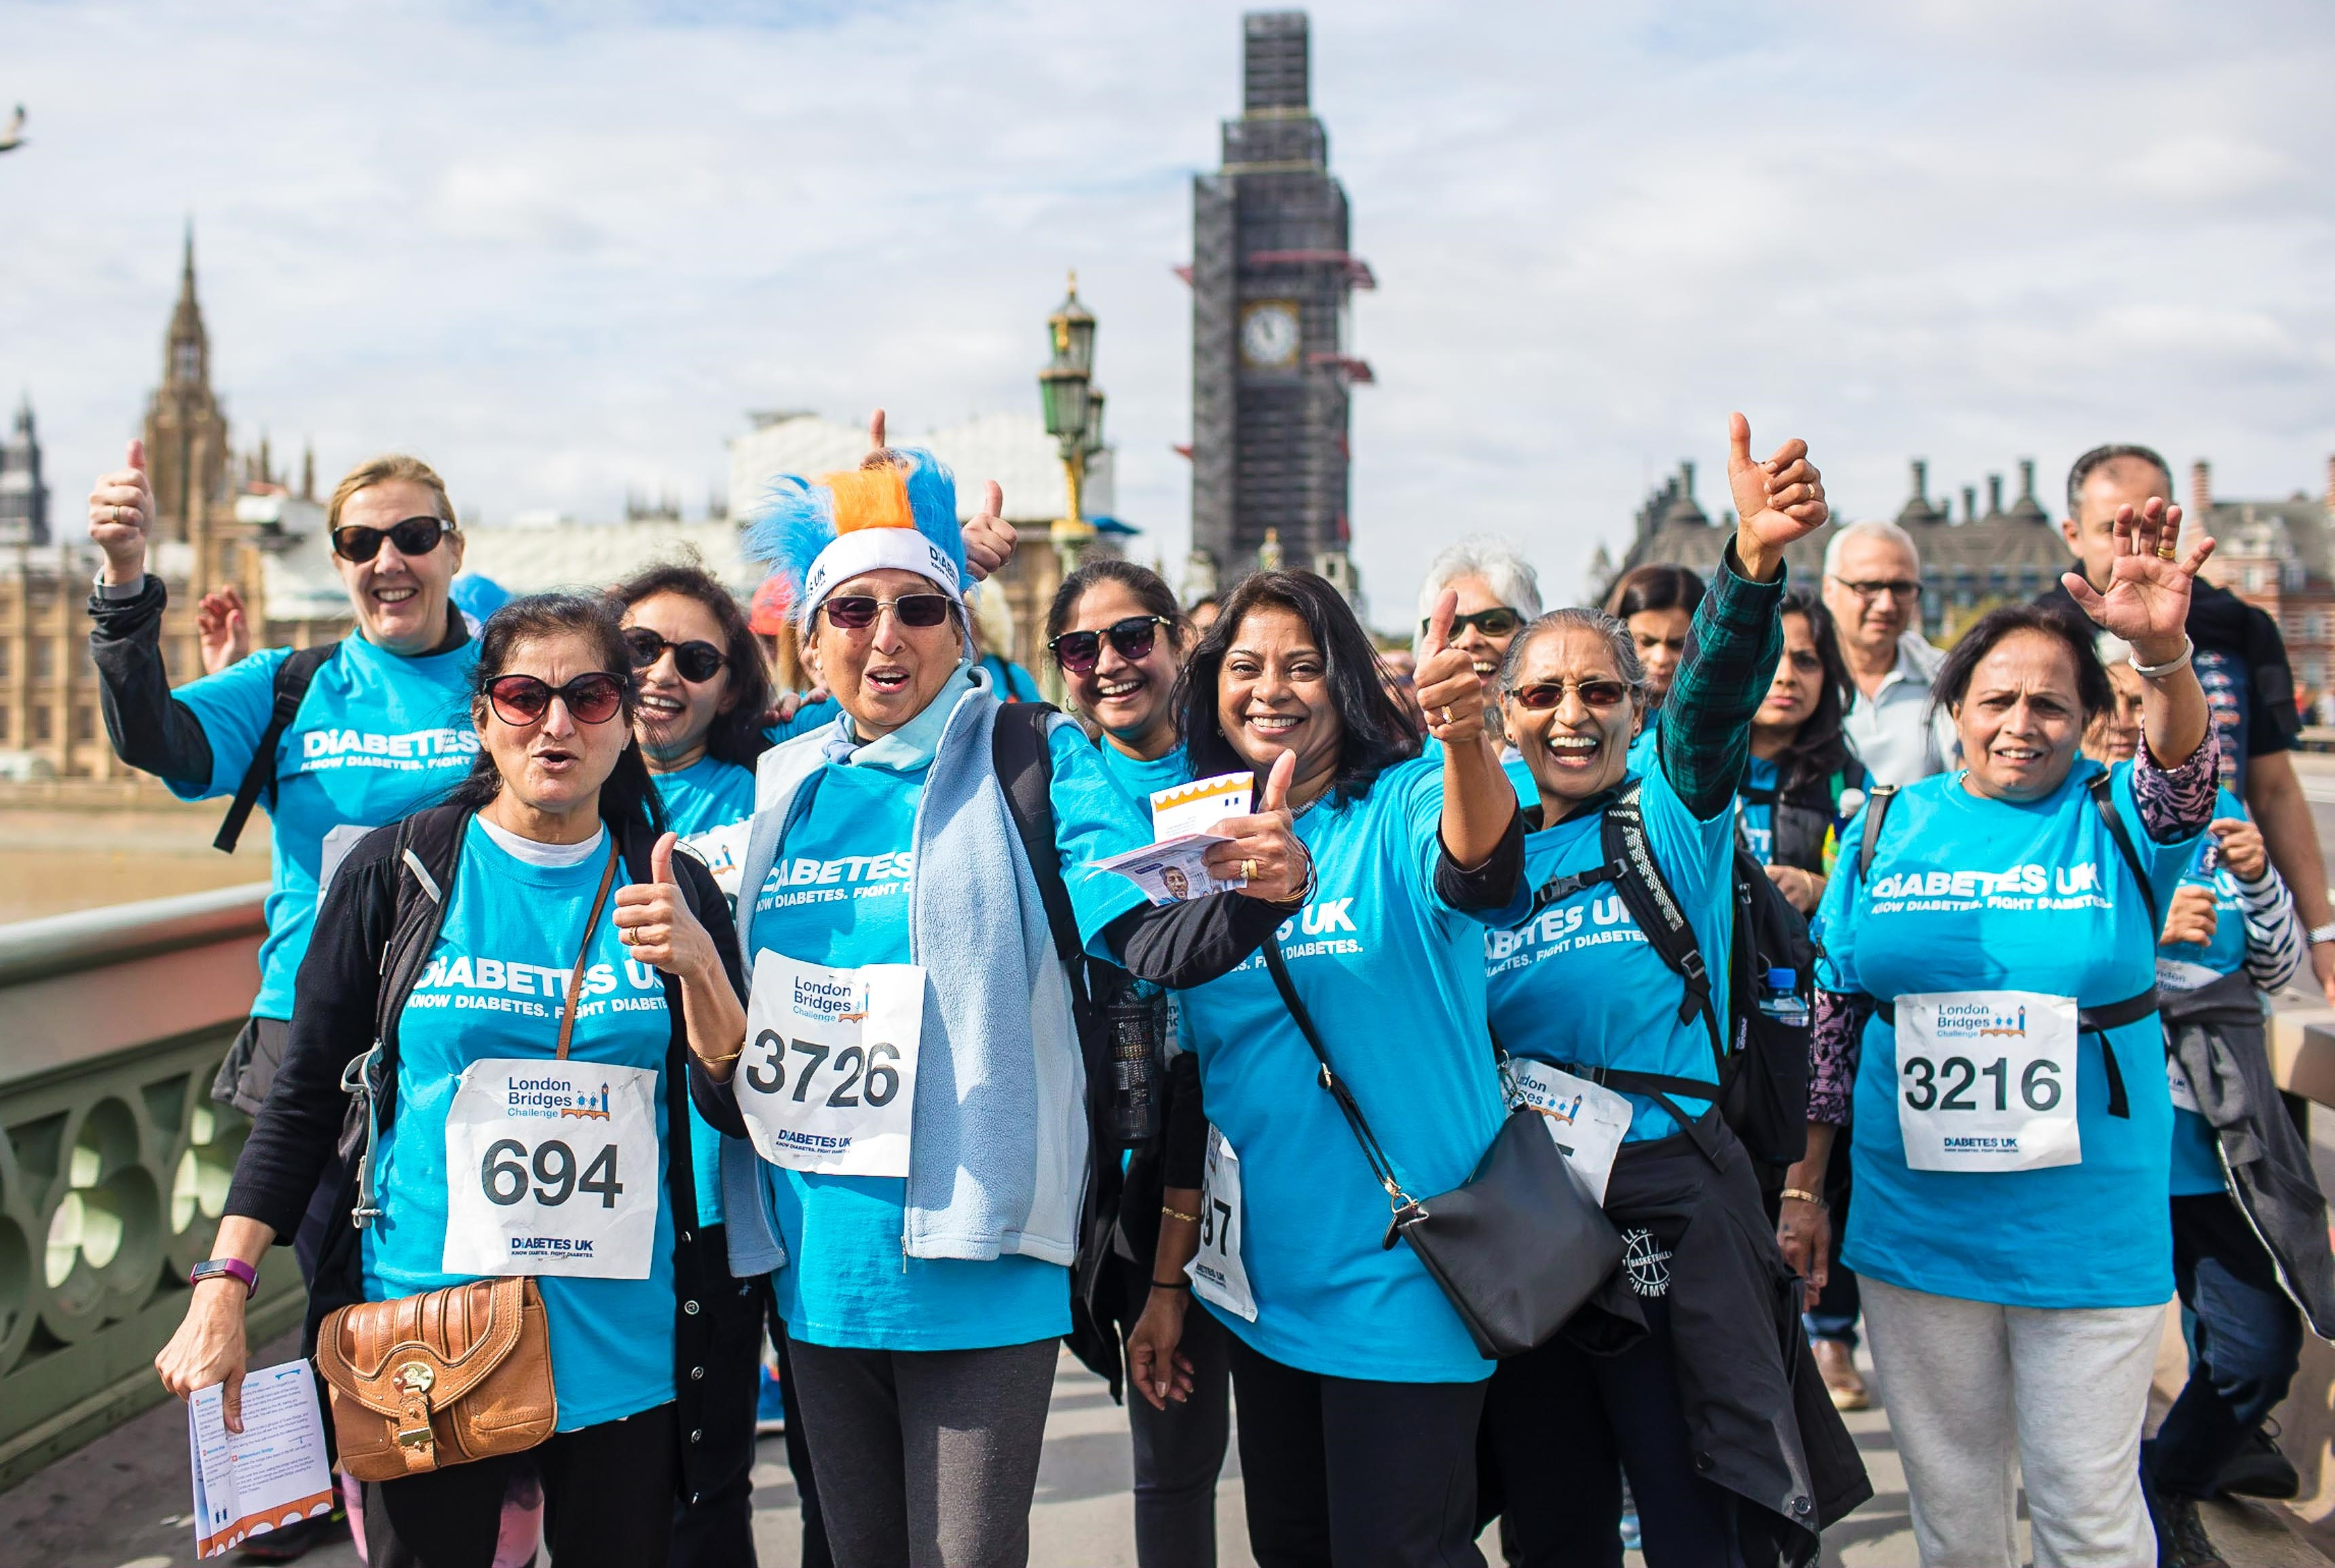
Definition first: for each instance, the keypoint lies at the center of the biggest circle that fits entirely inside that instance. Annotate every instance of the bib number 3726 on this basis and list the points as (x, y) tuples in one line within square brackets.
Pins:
[(1986, 1080), (552, 1168), (827, 1082)]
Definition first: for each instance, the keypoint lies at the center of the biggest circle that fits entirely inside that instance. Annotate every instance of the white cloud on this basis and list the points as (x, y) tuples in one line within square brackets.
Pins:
[(562, 249)]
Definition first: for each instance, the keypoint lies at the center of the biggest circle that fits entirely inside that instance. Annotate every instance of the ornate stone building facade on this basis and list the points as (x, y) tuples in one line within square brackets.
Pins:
[(50, 724), (1272, 283), (23, 492)]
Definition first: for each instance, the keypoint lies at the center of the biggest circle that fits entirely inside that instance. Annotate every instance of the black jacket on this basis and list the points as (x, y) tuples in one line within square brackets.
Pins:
[(340, 994)]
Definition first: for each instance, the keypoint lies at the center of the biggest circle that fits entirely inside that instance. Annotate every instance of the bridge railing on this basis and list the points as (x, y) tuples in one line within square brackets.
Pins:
[(114, 1160)]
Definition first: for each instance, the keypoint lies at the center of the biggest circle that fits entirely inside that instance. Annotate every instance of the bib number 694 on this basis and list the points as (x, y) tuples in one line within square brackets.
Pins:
[(857, 1073), (1947, 1084), (504, 1173)]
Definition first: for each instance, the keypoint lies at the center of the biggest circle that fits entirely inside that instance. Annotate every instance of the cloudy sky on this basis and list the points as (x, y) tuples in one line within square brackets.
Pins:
[(562, 248)]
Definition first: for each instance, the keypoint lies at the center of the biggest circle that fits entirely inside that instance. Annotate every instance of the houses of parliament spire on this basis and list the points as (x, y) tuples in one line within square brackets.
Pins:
[(186, 430)]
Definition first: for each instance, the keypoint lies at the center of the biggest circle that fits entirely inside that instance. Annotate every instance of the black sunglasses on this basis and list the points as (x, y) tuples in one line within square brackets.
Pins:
[(413, 537), (1544, 695), (697, 660), (858, 612), (1499, 620), (1134, 637), (521, 700)]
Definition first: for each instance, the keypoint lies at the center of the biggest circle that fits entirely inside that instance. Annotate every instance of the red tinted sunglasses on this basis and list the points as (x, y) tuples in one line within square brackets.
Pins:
[(522, 700)]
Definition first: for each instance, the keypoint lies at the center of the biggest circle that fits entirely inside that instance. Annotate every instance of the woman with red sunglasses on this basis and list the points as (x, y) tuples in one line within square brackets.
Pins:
[(1699, 1397), (535, 1036)]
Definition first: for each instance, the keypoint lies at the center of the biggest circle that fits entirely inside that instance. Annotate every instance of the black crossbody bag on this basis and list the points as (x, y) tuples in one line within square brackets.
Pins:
[(1517, 1248)]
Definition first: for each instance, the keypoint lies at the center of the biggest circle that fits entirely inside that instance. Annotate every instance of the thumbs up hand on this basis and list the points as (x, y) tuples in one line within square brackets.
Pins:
[(655, 922), (988, 537), (1777, 501), (121, 516), (1449, 692), (1263, 848)]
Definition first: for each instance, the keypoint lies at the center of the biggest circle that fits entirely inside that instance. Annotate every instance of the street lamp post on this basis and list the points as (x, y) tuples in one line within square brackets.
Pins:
[(1073, 407)]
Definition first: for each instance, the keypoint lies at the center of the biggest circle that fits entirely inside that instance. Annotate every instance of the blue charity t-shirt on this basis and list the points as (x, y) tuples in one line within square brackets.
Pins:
[(1394, 978), (2196, 1162), (1758, 816), (376, 737), (1969, 894), (493, 988), (707, 794), (848, 1282), (1010, 681), (1580, 983), (1139, 777), (808, 717), (1520, 777)]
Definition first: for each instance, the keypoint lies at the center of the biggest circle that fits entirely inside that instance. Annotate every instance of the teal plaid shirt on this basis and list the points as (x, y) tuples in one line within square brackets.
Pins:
[(1730, 659)]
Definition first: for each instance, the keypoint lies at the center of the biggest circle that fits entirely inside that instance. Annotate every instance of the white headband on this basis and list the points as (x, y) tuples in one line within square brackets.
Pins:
[(872, 550)]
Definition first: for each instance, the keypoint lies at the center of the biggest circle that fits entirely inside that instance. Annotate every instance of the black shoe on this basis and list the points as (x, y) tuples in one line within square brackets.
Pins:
[(2259, 1470), (2191, 1549), (289, 1542)]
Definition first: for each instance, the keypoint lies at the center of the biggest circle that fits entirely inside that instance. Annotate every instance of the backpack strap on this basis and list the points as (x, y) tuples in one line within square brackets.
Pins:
[(1876, 807), (1655, 908), (293, 677), (1025, 772), (429, 848), (2102, 789)]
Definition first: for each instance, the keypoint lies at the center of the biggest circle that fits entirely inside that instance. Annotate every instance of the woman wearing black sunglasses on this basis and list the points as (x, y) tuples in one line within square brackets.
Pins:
[(1700, 1411), (1115, 633), (573, 961)]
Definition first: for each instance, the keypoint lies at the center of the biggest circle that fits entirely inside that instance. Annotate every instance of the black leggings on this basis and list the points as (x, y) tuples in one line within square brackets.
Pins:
[(1561, 1426), (713, 1527), (1360, 1475), (607, 1494)]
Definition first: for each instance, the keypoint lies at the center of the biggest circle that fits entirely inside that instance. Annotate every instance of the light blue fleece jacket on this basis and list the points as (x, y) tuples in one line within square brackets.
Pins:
[(998, 1148)]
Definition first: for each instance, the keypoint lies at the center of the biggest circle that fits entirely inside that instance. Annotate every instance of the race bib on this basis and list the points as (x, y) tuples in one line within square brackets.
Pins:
[(1216, 1271), (1986, 1080), (2176, 1080), (829, 1080), (552, 1168), (1585, 1121)]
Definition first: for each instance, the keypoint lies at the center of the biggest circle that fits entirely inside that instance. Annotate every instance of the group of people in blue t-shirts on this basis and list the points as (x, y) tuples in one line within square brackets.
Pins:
[(884, 1081)]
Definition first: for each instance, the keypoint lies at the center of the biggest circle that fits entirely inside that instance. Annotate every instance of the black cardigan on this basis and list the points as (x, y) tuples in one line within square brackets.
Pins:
[(293, 1137)]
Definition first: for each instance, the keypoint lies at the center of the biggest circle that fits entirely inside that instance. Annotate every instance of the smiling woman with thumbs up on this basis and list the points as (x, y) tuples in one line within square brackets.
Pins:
[(544, 982), (1358, 1385)]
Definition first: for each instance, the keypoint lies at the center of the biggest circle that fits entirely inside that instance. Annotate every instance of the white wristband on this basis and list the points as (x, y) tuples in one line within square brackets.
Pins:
[(2320, 933), (2158, 671)]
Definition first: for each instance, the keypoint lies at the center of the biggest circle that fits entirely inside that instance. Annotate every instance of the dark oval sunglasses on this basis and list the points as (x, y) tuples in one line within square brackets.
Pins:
[(520, 699), (1543, 695), (1497, 621), (1134, 637), (858, 612), (695, 660), (413, 537)]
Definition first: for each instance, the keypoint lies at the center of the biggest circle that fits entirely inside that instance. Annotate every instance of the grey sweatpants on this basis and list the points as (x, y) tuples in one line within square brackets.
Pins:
[(925, 1459), (1975, 1388)]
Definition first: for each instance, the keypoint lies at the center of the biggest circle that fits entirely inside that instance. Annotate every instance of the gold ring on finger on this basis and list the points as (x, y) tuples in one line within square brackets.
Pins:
[(1249, 869), (2168, 550), (1446, 711)]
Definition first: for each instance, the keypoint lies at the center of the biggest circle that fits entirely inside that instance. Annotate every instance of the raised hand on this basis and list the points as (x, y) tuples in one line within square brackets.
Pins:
[(1448, 691), (222, 631), (122, 516), (988, 537), (875, 442), (1776, 501), (1264, 847), (655, 924), (2149, 580)]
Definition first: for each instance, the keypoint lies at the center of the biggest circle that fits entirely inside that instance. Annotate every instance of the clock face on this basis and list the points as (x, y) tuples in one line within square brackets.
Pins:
[(1269, 334)]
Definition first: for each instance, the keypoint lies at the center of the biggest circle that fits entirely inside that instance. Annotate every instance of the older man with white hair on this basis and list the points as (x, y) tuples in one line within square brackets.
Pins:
[(1498, 592), (1873, 587)]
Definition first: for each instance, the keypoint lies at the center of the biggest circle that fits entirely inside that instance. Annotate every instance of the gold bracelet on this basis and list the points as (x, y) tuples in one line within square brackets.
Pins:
[(1179, 1215), (1806, 1198), (722, 1061)]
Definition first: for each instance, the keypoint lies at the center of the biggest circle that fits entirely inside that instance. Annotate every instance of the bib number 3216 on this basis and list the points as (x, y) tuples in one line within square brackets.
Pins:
[(1986, 1080), (827, 1082), (552, 1168)]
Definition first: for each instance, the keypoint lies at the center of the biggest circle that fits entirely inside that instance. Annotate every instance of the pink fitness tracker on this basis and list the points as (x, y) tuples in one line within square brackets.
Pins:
[(236, 1268)]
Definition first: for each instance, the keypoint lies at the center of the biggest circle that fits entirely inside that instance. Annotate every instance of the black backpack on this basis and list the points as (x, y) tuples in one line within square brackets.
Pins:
[(1025, 772), (1761, 1059), (292, 680)]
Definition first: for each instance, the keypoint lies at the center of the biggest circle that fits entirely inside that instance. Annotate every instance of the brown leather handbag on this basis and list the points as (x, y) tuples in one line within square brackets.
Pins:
[(454, 1374), (439, 1379)]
